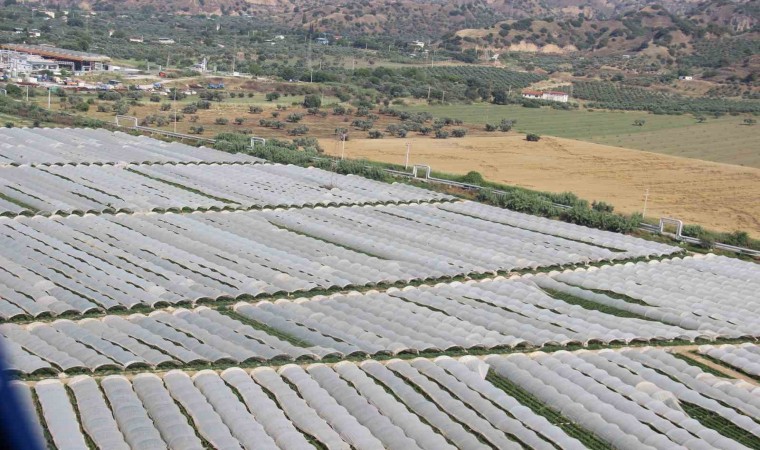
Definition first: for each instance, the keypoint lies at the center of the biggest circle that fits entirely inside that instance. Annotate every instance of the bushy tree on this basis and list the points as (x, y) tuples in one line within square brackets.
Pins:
[(294, 118), (312, 101)]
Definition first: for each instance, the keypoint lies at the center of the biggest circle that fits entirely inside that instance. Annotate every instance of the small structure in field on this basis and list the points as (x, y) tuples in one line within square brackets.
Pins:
[(552, 96)]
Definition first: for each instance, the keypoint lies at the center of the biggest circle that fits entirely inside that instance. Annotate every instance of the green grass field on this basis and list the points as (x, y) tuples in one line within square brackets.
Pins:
[(724, 140)]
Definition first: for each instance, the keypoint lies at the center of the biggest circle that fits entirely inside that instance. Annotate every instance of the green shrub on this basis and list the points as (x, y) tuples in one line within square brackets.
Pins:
[(312, 101), (602, 207)]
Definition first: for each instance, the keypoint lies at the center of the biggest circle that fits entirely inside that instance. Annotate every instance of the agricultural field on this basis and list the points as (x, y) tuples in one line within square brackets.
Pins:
[(157, 294), (718, 196), (726, 139), (609, 95)]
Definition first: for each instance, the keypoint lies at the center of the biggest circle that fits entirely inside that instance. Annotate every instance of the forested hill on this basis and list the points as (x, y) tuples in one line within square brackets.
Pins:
[(431, 19)]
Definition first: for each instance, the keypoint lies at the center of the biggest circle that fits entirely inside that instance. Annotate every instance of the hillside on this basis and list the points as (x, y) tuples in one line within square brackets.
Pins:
[(715, 34), (430, 19)]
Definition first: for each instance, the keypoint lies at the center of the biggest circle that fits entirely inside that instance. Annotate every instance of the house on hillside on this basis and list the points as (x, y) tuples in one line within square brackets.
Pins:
[(535, 95), (322, 41), (139, 40), (556, 96), (551, 96), (418, 44), (34, 33), (166, 41), (686, 78)]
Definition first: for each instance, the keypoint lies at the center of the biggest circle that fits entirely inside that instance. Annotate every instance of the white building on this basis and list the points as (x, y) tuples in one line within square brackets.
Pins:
[(552, 96), (536, 95), (556, 96), (166, 41), (686, 78), (21, 64)]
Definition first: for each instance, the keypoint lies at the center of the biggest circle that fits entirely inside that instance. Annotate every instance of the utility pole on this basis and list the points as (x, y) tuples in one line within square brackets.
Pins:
[(406, 161), (48, 98), (175, 109), (27, 94), (429, 88), (443, 96), (343, 146), (646, 198)]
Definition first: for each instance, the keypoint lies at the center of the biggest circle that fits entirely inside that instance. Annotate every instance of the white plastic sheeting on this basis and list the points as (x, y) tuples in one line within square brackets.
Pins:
[(437, 405), (166, 415), (95, 415), (80, 189), (207, 421), (744, 357), (631, 246), (630, 399), (60, 418), (285, 185), (48, 146), (138, 429), (79, 264), (713, 295), (26, 403), (157, 340), (447, 242), (487, 314), (93, 189)]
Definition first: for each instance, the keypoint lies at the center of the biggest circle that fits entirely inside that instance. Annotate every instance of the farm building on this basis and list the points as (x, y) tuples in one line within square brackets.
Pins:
[(536, 95), (78, 61), (556, 96), (552, 96)]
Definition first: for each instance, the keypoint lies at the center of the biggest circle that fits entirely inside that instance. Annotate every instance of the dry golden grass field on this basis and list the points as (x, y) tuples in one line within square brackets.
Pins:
[(718, 196)]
